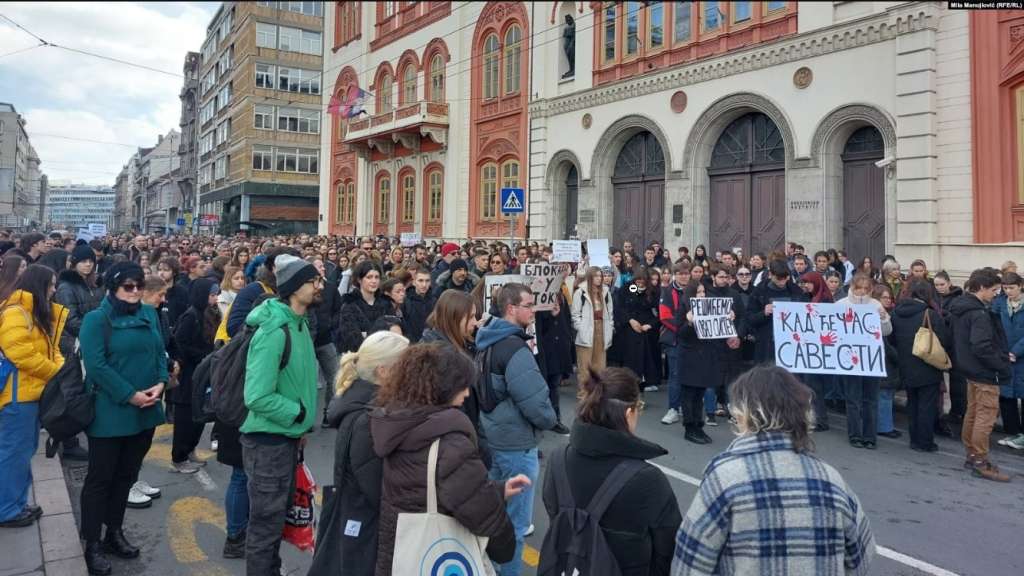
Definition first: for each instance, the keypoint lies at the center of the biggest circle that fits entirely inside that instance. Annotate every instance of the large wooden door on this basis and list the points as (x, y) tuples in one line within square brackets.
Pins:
[(748, 187), (638, 185), (864, 196)]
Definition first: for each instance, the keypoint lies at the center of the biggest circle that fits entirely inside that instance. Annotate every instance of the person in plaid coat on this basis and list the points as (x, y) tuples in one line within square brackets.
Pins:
[(766, 505)]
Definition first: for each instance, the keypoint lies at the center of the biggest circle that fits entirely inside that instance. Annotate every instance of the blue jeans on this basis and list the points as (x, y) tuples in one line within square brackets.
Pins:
[(236, 502), (520, 507), (19, 438), (710, 400), (675, 393), (885, 423)]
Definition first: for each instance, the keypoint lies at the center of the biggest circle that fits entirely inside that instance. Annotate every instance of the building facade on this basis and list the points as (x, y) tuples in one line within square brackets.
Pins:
[(20, 173), (188, 149), (126, 216), (260, 117), (157, 201), (76, 206)]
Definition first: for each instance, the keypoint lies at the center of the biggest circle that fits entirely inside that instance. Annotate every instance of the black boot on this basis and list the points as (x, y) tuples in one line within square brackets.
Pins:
[(235, 547), (95, 561), (116, 544)]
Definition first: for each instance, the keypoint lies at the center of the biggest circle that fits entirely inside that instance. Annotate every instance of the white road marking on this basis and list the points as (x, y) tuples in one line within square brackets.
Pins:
[(204, 479), (889, 553)]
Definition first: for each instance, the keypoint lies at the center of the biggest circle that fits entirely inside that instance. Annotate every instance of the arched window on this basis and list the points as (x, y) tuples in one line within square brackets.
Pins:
[(489, 191), (434, 195), (513, 44), (339, 207), (437, 78), (384, 93), (350, 203), (408, 84), (492, 62), (409, 198), (384, 200), (510, 174)]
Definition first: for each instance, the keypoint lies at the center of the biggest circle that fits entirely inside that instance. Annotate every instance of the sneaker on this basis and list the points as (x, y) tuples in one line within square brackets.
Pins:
[(870, 445), (711, 420), (821, 428), (650, 388), (856, 442), (671, 417), (989, 471), (145, 488), (214, 444), (136, 499), (196, 459), (560, 429), (927, 448), (234, 547), (705, 439), (894, 434), (1017, 442), (186, 467), (694, 436), (25, 518), (529, 531), (36, 511)]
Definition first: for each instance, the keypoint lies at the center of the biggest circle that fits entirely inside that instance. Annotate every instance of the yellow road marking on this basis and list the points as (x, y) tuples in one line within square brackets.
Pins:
[(531, 556), (163, 431), (161, 453), (182, 519)]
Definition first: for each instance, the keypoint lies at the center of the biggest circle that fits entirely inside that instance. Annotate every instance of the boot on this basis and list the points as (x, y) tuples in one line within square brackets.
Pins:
[(235, 547), (116, 544), (988, 471), (95, 561)]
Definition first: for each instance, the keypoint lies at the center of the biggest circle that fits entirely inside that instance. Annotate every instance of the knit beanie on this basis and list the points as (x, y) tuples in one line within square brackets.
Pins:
[(122, 272), (292, 272), (82, 252), (458, 264), (448, 248)]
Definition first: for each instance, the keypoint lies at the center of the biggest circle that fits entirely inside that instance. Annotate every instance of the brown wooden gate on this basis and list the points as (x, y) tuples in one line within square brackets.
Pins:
[(864, 195), (639, 192)]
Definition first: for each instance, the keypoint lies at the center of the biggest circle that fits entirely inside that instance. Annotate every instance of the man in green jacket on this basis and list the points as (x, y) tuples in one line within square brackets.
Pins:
[(282, 407)]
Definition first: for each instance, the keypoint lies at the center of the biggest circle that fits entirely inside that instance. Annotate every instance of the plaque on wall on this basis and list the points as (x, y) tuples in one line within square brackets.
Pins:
[(677, 213), (588, 120), (586, 216), (803, 77)]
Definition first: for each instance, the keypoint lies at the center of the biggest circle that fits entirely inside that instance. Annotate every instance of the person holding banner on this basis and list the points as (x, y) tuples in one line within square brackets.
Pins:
[(777, 288), (592, 314), (638, 324)]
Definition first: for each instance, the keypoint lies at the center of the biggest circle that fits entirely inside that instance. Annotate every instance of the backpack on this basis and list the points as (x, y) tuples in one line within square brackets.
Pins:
[(202, 407), (575, 544), (227, 376), (67, 406), (487, 397)]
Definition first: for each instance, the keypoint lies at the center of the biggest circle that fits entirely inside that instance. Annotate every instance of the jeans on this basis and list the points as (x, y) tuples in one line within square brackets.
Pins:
[(675, 393), (270, 467), (19, 439), (327, 356), (982, 410), (236, 502), (862, 407), (709, 400), (114, 465), (520, 507), (885, 423)]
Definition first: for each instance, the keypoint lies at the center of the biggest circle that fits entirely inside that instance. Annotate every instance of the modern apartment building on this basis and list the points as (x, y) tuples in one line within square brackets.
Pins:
[(157, 202), (260, 117), (20, 174), (76, 206)]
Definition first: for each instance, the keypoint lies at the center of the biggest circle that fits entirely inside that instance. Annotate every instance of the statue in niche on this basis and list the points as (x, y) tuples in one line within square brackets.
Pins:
[(569, 45)]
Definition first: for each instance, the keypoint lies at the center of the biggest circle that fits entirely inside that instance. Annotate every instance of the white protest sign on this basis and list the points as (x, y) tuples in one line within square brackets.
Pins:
[(828, 339), (566, 251), (98, 229), (410, 238), (493, 283), (597, 251), (84, 234), (545, 280), (711, 318)]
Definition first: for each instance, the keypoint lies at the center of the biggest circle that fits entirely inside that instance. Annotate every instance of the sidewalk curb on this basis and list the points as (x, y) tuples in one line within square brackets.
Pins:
[(58, 533)]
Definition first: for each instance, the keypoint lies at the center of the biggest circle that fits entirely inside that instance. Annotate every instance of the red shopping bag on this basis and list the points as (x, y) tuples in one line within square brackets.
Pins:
[(300, 524)]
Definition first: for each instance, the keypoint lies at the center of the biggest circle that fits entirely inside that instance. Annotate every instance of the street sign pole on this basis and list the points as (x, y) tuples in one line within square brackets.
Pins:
[(512, 203)]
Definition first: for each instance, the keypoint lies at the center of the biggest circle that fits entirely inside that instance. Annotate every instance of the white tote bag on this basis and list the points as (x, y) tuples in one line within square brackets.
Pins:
[(432, 544)]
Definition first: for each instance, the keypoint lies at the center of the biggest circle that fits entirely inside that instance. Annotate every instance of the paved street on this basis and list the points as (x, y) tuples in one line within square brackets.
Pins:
[(929, 515)]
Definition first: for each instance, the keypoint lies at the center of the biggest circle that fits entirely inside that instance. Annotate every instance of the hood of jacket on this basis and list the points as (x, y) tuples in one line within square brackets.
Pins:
[(600, 442), (495, 331), (71, 276), (909, 308), (357, 398), (966, 304), (414, 429), (199, 293), (445, 279), (431, 335), (272, 314), (56, 259)]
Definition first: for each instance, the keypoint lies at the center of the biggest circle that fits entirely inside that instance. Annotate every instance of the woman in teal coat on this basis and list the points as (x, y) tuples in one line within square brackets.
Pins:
[(125, 363)]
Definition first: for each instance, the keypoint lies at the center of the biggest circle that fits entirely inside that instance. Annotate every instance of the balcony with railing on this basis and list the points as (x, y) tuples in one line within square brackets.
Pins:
[(399, 125)]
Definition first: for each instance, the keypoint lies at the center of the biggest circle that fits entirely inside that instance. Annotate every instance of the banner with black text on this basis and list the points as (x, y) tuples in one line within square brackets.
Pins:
[(711, 318), (840, 339)]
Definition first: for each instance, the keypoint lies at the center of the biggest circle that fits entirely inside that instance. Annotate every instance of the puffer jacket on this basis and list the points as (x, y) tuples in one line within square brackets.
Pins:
[(415, 311), (980, 349), (583, 317), (36, 354), (759, 325), (80, 296), (357, 316), (444, 282), (402, 438)]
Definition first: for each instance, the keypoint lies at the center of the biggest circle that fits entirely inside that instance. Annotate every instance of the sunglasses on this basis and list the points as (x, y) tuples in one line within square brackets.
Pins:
[(132, 286)]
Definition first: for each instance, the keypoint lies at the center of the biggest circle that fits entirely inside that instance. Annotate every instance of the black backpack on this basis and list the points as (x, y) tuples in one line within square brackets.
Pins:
[(227, 375), (487, 398), (67, 406), (202, 407), (575, 542)]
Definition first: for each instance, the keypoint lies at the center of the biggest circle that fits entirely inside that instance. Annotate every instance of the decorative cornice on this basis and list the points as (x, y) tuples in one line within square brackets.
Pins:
[(837, 38)]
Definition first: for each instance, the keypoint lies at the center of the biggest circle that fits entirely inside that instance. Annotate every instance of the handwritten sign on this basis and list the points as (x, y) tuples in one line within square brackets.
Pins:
[(410, 238), (98, 229), (494, 283), (597, 251), (711, 318), (545, 280), (829, 339), (566, 251)]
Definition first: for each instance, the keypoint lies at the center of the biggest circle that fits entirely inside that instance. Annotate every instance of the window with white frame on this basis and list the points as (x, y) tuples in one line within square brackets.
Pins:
[(206, 143), (266, 35), (266, 3), (206, 112), (264, 117), (208, 49), (224, 97), (225, 28), (262, 158), (408, 198), (310, 83), (264, 75), (205, 174), (298, 80), (288, 38), (297, 160), (220, 168), (298, 120), (224, 64), (307, 8), (311, 43), (223, 131)]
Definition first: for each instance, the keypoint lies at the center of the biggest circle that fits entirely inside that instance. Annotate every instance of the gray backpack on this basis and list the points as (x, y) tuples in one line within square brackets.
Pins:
[(575, 543)]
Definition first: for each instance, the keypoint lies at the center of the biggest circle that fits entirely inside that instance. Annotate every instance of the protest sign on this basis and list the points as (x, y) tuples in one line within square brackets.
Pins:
[(597, 252), (545, 280), (410, 238), (839, 339), (98, 230), (85, 234), (493, 283), (711, 318), (566, 251)]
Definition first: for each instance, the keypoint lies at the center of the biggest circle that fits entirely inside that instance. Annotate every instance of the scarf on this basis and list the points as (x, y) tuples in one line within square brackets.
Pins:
[(122, 308)]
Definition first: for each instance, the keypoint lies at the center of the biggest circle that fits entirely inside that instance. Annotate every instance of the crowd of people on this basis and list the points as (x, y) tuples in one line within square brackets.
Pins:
[(419, 368)]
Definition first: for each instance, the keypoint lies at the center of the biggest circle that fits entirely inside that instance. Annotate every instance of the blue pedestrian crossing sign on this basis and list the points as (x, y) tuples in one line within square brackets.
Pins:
[(181, 222), (512, 200)]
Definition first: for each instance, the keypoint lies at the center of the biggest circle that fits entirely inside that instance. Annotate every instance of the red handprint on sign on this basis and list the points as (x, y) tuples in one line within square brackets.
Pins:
[(848, 317), (796, 336), (828, 339), (855, 360)]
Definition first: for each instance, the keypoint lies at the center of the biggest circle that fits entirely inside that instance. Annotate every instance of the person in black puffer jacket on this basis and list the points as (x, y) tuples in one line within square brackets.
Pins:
[(361, 307), (419, 303), (775, 288), (79, 292), (640, 524), (357, 469)]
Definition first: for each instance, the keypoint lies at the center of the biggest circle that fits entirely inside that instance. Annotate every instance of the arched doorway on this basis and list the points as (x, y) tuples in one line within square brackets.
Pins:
[(638, 187), (572, 201), (748, 186), (864, 195)]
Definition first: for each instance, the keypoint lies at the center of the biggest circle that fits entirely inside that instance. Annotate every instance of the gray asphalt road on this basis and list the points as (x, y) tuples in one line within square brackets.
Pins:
[(924, 508)]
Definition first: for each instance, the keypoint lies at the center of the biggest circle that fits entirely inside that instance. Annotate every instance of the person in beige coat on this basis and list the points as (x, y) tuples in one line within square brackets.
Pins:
[(592, 320)]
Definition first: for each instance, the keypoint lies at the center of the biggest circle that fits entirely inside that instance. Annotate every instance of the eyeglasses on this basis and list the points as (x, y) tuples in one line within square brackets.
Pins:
[(496, 262), (743, 273), (527, 306), (132, 287)]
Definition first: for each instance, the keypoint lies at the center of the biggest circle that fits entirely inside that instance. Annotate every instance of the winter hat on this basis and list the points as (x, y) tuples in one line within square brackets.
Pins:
[(292, 272), (122, 272), (82, 252), (448, 248), (458, 264)]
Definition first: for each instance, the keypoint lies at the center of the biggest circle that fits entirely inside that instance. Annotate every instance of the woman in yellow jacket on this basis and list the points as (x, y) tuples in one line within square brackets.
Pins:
[(30, 329)]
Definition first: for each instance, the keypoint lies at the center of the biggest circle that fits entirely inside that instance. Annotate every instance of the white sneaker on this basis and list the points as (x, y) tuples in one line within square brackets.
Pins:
[(145, 488), (1017, 442), (196, 459), (136, 499), (1008, 441), (214, 445), (186, 467), (651, 388), (671, 417), (529, 531)]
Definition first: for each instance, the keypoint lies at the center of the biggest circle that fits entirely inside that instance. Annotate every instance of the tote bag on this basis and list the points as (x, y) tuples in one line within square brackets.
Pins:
[(432, 543), (928, 348)]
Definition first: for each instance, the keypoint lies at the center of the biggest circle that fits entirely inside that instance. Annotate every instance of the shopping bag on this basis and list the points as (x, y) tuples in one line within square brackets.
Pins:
[(928, 348), (300, 523), (432, 543)]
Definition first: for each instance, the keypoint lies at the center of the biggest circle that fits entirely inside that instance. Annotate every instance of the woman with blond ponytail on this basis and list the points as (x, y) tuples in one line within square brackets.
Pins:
[(347, 538)]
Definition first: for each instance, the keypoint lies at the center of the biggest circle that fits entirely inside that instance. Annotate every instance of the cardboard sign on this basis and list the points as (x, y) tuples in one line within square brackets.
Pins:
[(493, 283), (836, 339), (597, 252), (545, 280), (711, 318), (84, 234), (566, 250), (410, 238), (98, 230)]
